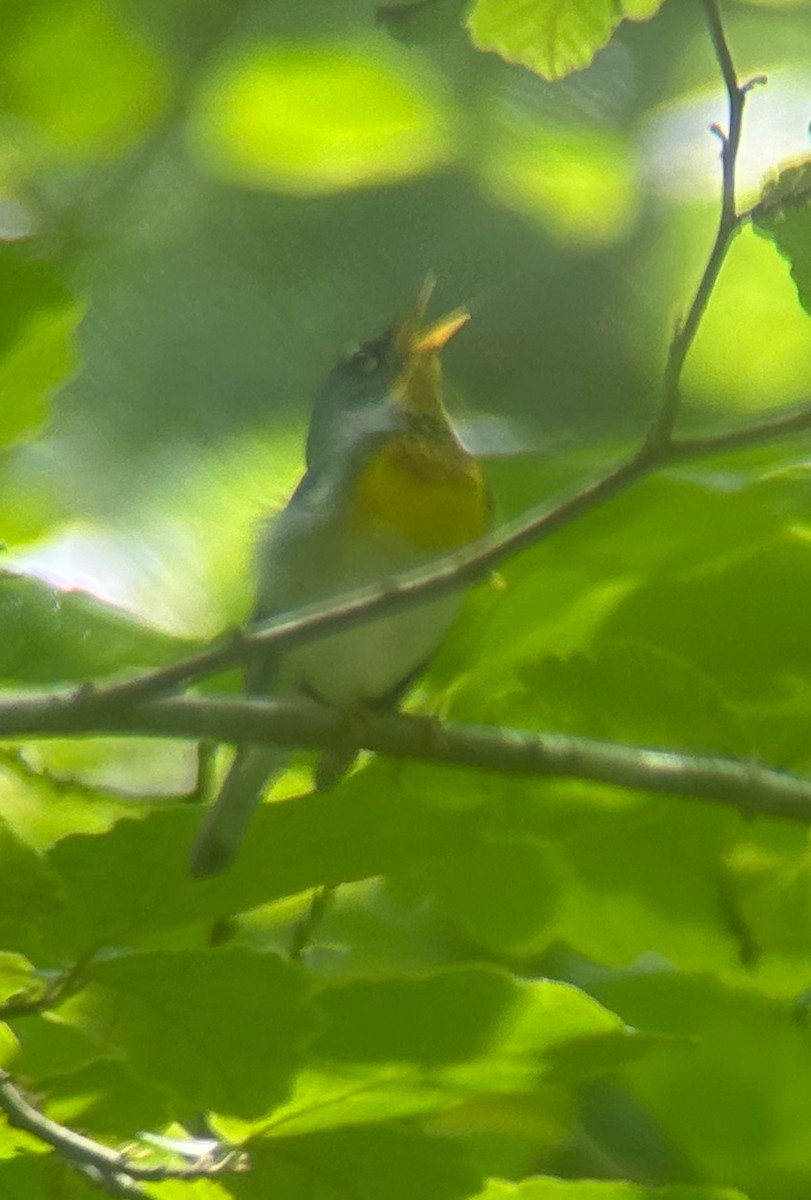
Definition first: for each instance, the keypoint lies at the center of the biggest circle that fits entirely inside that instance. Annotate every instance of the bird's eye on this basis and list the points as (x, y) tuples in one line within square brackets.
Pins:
[(365, 361)]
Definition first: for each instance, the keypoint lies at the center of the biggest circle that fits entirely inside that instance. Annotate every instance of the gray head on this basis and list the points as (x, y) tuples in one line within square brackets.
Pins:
[(378, 388)]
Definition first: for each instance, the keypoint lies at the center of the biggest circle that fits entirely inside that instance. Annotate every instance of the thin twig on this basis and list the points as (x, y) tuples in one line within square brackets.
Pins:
[(306, 927), (729, 222), (110, 1169)]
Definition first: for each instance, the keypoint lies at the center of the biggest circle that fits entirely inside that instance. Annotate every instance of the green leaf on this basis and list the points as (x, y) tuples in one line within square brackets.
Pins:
[(30, 898), (106, 1100), (406, 1046), (221, 1030), (53, 636), (628, 692), (24, 1175), (551, 37), (734, 1100), (769, 871), (698, 616), (653, 870), (372, 1163), (293, 845), (38, 318), (319, 117), (543, 1188), (18, 979), (50, 1047), (784, 216), (486, 1029), (8, 1045), (503, 891)]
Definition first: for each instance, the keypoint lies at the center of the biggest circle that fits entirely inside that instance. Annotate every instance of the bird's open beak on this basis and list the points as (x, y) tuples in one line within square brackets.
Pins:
[(426, 339), (439, 333)]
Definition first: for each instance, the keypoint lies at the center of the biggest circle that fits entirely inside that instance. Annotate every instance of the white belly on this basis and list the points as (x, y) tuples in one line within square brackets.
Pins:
[(368, 661)]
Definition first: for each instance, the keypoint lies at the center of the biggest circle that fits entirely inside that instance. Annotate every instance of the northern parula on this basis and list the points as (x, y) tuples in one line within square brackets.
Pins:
[(388, 486)]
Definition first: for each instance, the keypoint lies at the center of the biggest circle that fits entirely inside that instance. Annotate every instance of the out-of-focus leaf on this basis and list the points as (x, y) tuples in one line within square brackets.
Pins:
[(784, 215), (221, 1030), (38, 317), (370, 1163), (576, 182), (418, 21), (551, 37), (52, 636), (310, 118), (82, 81)]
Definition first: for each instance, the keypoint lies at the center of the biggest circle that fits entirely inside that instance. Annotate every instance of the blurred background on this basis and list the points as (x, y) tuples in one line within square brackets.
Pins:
[(201, 206)]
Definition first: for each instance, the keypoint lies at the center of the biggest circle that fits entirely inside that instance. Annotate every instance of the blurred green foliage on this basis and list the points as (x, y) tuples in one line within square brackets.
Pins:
[(522, 989)]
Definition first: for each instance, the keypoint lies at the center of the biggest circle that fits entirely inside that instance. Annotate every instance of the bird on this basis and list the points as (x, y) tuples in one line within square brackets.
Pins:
[(388, 486)]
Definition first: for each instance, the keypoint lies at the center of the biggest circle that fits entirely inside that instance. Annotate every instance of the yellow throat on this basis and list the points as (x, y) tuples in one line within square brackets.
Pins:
[(422, 483)]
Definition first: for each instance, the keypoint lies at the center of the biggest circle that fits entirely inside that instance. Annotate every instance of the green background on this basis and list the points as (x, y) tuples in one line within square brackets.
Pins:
[(534, 983)]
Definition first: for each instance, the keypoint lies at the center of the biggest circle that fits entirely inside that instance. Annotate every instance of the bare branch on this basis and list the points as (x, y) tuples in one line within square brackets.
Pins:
[(111, 1170)]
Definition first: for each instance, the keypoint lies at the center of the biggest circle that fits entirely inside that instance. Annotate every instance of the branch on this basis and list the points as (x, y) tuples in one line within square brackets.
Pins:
[(744, 785), (444, 574), (728, 225), (109, 1169)]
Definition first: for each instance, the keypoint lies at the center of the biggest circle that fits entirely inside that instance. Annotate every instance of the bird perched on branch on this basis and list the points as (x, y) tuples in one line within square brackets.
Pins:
[(388, 487)]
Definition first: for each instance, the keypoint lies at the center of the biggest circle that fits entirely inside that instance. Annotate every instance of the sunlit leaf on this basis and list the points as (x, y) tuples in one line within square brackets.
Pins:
[(18, 979), (590, 1189), (784, 215), (53, 636), (551, 37), (8, 1045)]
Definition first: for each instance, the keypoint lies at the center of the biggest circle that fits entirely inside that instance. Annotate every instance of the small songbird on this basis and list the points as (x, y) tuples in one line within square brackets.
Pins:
[(388, 487)]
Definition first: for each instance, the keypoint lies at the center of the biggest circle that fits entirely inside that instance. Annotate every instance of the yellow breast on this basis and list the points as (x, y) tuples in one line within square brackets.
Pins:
[(432, 493)]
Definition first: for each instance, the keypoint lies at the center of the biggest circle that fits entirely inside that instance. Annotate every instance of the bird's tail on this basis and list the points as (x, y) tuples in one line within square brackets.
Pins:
[(220, 838)]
